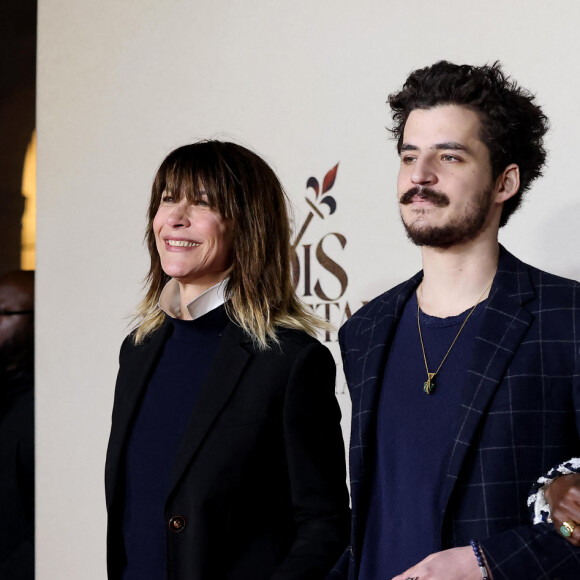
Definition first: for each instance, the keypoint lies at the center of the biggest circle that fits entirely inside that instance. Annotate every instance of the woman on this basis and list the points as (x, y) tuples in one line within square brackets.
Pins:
[(225, 458)]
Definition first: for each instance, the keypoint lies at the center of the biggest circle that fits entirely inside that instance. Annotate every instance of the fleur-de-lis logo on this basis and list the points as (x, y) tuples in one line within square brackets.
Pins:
[(327, 184), (320, 197)]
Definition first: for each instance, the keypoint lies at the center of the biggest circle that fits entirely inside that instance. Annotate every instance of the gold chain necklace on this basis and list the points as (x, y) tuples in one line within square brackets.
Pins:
[(429, 384)]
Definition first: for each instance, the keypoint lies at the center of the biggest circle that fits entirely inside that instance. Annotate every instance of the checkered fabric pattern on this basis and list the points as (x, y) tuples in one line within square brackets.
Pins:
[(519, 416)]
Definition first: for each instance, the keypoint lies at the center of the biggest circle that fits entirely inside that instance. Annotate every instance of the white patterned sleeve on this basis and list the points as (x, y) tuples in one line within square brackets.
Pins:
[(538, 507)]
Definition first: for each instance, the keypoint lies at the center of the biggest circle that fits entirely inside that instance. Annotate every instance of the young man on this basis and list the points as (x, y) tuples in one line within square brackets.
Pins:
[(463, 379)]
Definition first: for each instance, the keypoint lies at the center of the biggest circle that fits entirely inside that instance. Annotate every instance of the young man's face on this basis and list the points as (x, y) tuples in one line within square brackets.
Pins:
[(445, 187)]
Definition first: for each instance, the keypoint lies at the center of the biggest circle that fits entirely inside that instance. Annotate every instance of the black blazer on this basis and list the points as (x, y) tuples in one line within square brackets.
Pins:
[(258, 487)]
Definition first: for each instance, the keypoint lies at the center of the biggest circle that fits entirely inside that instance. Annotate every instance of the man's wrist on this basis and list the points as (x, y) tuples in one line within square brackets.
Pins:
[(480, 559)]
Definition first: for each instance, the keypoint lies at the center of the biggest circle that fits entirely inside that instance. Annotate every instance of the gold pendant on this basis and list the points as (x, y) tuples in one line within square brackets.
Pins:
[(429, 384)]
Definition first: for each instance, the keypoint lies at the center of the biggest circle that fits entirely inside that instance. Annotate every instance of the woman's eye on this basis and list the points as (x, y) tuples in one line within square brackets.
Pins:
[(166, 198)]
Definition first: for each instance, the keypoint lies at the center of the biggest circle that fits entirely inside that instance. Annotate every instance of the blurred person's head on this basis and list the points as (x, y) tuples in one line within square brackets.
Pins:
[(17, 322)]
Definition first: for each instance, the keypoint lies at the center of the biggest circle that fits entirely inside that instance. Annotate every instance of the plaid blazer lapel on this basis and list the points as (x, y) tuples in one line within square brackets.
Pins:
[(504, 325), (365, 340)]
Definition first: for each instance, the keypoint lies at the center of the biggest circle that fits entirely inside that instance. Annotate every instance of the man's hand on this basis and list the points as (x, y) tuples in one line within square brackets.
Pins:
[(563, 495), (453, 564)]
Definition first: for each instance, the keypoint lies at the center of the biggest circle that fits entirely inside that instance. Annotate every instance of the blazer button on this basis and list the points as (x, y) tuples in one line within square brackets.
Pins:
[(177, 523)]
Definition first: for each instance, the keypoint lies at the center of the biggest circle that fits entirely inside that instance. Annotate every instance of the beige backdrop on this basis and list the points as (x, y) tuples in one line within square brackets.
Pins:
[(122, 82)]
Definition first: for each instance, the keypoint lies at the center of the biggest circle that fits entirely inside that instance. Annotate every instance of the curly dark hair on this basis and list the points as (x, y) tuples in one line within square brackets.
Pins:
[(512, 125)]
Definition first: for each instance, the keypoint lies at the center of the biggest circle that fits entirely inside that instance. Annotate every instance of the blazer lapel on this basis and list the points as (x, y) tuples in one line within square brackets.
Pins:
[(136, 367), (228, 365), (503, 327), (365, 351)]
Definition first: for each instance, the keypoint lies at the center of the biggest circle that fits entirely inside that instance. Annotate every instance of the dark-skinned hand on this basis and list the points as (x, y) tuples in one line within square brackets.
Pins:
[(563, 496)]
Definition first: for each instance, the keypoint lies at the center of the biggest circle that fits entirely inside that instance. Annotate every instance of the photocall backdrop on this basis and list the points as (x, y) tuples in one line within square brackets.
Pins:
[(304, 84)]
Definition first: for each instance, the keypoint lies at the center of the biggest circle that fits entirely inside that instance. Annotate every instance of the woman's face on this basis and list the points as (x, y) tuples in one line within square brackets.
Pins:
[(194, 242)]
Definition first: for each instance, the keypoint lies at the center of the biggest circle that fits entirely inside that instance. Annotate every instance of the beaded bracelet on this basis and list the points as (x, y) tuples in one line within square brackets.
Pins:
[(480, 562)]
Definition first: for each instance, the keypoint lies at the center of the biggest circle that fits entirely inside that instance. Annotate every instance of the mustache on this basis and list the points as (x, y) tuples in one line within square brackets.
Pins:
[(438, 198)]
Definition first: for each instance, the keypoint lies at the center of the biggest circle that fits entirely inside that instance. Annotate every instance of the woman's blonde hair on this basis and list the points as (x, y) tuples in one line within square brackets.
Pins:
[(243, 188)]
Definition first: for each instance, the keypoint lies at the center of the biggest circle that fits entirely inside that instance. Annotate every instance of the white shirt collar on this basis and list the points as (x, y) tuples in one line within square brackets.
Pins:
[(170, 300)]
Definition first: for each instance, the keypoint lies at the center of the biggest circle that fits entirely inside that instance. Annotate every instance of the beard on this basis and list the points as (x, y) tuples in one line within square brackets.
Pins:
[(458, 230)]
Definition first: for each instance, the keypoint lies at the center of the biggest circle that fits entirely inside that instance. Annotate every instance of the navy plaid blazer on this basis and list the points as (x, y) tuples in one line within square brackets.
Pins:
[(519, 415)]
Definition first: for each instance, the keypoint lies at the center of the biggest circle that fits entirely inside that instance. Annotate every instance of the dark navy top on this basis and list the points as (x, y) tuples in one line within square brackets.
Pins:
[(414, 433), (157, 431)]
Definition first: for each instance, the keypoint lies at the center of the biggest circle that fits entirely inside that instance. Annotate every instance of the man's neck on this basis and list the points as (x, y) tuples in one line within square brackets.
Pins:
[(455, 278)]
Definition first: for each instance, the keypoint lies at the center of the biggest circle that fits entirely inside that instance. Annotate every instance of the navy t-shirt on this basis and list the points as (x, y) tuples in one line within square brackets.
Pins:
[(413, 436)]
